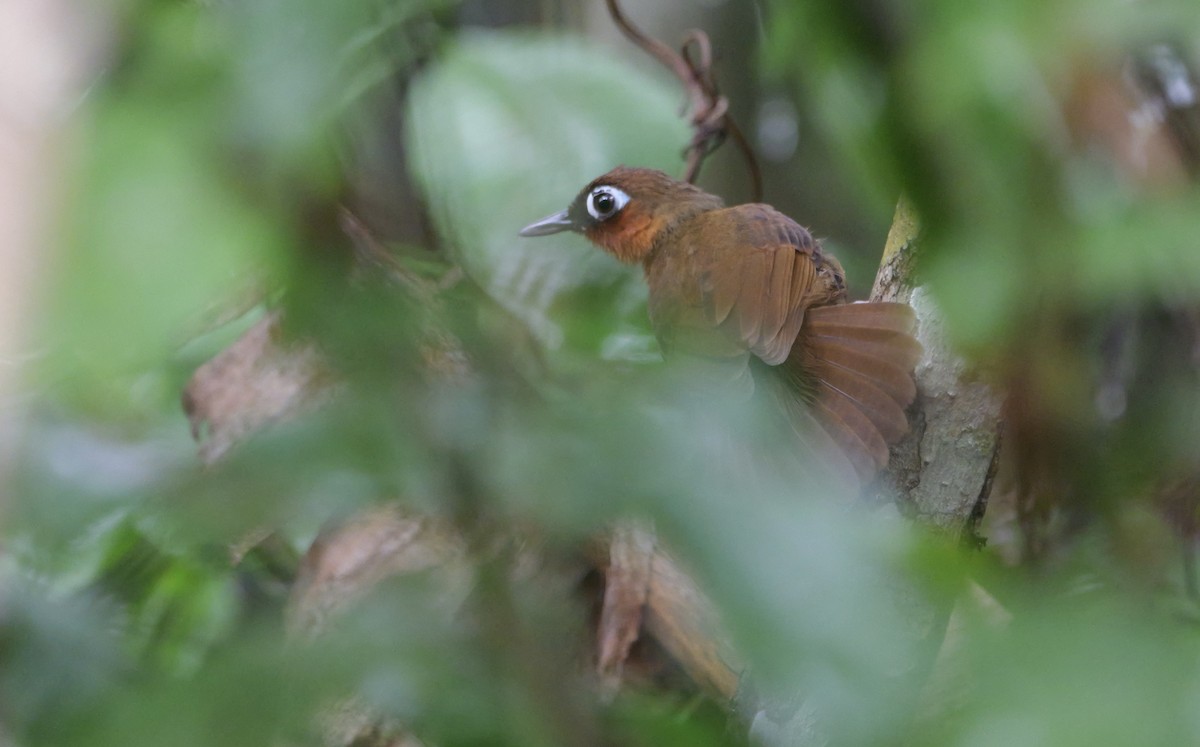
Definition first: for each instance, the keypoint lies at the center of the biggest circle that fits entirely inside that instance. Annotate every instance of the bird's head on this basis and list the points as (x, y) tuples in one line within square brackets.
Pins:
[(627, 210)]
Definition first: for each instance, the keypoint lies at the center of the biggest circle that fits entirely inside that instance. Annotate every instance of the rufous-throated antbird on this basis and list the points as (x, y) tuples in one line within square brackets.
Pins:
[(738, 283)]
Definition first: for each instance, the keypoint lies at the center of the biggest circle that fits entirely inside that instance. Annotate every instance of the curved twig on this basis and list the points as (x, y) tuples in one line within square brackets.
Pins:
[(709, 110)]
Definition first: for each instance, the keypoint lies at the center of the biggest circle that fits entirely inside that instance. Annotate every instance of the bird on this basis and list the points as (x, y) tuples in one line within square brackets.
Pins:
[(748, 288)]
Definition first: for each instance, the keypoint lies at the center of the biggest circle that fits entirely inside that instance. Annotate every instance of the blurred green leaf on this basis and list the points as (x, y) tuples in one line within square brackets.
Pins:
[(160, 229), (57, 658), (160, 220), (1087, 670)]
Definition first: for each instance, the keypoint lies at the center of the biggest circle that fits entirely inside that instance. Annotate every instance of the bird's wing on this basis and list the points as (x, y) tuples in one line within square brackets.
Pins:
[(757, 286), (748, 281)]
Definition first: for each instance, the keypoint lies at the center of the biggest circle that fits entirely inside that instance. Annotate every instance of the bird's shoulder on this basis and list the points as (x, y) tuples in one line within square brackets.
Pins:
[(748, 228), (753, 239)]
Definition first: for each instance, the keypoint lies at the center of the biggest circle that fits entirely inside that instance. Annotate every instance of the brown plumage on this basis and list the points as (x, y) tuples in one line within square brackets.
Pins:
[(740, 283)]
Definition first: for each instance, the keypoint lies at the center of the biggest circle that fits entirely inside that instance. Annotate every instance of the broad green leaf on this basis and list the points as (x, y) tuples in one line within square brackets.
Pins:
[(159, 235), (506, 128)]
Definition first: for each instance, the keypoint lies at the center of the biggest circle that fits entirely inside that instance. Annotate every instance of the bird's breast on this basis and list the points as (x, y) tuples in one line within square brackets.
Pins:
[(681, 277)]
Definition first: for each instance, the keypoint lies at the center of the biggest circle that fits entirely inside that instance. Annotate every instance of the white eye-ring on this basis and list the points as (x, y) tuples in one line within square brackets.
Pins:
[(605, 202)]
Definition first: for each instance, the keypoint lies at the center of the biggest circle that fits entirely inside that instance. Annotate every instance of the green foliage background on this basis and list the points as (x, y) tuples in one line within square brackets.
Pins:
[(215, 146)]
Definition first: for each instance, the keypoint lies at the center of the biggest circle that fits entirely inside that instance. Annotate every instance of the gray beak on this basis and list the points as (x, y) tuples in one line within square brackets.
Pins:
[(548, 225)]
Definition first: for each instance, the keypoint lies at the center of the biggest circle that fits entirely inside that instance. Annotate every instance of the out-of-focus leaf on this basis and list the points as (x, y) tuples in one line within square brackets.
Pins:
[(214, 125), (1079, 671), (157, 236), (507, 128), (1147, 250), (75, 487), (56, 657), (297, 64)]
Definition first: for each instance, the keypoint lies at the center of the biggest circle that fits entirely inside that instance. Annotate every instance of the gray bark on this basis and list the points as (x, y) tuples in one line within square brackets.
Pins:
[(941, 472)]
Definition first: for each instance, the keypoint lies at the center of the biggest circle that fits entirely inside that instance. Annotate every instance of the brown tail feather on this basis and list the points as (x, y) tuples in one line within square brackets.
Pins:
[(833, 455), (882, 329), (850, 441), (893, 380), (851, 417), (859, 360), (898, 347), (897, 317), (886, 414)]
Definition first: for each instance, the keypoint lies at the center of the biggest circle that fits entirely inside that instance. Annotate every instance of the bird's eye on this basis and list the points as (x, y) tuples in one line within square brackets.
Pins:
[(605, 202)]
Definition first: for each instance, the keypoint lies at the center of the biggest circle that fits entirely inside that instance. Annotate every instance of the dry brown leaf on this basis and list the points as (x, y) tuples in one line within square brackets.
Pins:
[(626, 586), (345, 563), (252, 383), (684, 621)]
